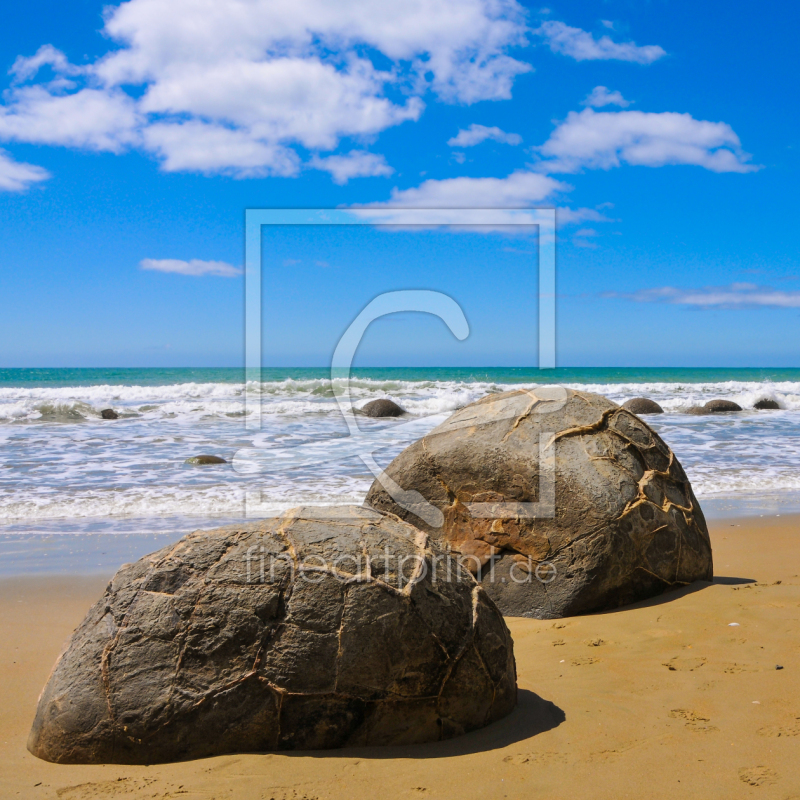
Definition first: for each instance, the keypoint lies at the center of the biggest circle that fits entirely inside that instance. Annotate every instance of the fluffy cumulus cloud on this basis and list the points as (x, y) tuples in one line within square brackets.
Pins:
[(476, 134), (600, 96), (195, 267), (235, 86), (601, 140), (356, 164), (582, 46), (16, 176), (736, 295)]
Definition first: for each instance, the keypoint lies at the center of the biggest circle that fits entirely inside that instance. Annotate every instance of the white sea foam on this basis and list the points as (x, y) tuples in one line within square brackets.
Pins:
[(59, 460)]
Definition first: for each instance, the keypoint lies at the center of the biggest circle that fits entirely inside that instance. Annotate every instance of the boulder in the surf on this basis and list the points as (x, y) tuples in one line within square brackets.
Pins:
[(203, 461), (766, 405), (382, 407), (714, 407), (642, 405)]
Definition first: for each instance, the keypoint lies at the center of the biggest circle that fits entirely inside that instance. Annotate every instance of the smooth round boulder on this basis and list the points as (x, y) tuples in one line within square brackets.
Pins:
[(642, 405), (714, 407), (382, 408), (561, 501), (318, 629), (201, 461), (109, 413), (721, 406), (766, 405)]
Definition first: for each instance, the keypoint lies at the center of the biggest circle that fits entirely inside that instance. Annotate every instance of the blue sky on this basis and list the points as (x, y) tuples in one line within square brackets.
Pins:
[(133, 139)]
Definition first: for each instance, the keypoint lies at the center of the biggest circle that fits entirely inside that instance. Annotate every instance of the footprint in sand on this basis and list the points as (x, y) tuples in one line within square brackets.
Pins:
[(683, 664), (580, 662), (121, 786), (758, 776), (536, 758), (792, 729), (694, 721), (558, 642), (595, 642)]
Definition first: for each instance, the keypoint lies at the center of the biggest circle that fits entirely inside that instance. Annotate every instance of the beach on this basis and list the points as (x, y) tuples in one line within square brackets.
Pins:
[(661, 699)]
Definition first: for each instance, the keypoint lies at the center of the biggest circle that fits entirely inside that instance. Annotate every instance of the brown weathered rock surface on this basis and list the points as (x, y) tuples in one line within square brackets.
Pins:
[(625, 524), (643, 405), (349, 640), (382, 408)]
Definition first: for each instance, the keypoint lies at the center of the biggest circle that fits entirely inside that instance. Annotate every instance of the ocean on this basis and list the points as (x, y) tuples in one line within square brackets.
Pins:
[(67, 475)]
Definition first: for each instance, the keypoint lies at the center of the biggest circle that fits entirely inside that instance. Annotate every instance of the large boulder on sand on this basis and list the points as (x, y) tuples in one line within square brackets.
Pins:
[(318, 629), (621, 522), (643, 405)]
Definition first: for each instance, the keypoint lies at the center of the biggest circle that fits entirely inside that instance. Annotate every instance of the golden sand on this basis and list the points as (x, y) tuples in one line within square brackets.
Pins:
[(664, 699)]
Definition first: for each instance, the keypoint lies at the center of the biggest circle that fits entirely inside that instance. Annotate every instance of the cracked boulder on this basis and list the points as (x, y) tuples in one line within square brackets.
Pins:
[(560, 501), (322, 628)]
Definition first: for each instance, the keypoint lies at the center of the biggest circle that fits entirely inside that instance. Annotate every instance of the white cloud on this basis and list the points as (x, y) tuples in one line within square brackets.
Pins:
[(195, 267), (234, 85), (582, 46), (575, 216), (601, 140), (24, 68), (518, 190), (736, 295), (586, 232), (355, 164), (196, 146), (601, 96), (16, 176), (95, 119), (476, 134)]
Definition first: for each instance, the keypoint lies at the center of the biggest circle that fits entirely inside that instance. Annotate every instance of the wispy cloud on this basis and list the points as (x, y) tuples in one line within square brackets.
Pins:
[(195, 267), (355, 164), (16, 176), (582, 46), (600, 96), (476, 134), (736, 295)]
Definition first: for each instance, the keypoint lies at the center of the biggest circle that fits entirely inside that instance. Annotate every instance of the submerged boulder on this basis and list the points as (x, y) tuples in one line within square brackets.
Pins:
[(109, 413), (643, 405), (714, 407), (561, 501), (318, 629), (766, 405), (382, 408), (201, 461)]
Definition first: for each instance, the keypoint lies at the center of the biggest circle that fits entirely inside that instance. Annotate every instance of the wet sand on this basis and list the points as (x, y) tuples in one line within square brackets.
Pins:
[(663, 699)]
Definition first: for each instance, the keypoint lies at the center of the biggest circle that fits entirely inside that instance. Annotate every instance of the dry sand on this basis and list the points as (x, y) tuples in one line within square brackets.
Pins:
[(663, 699)]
